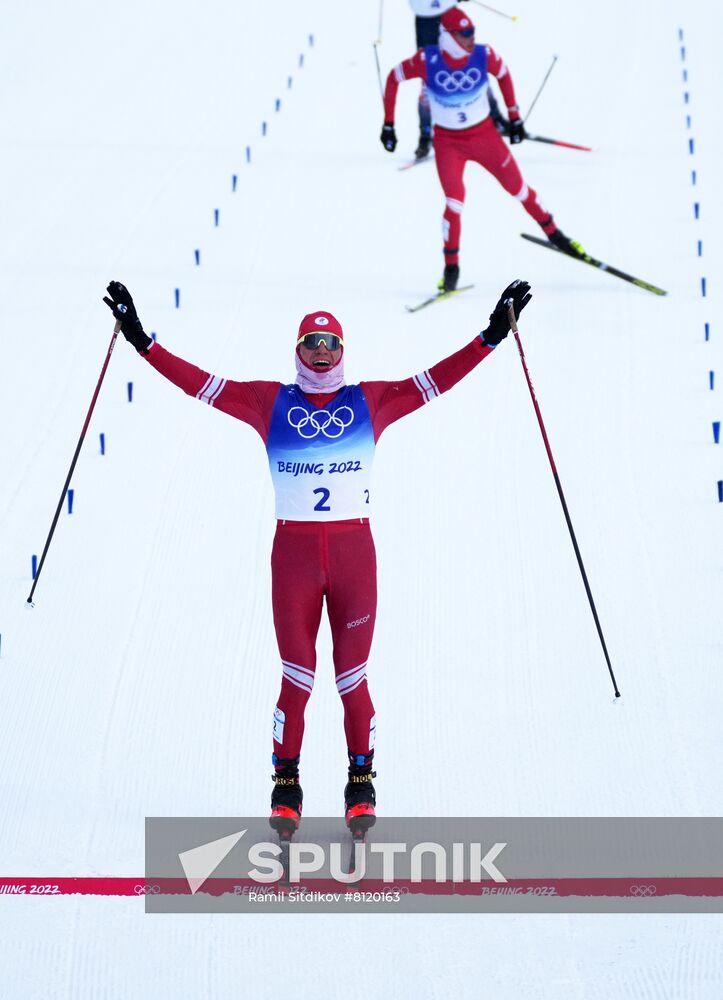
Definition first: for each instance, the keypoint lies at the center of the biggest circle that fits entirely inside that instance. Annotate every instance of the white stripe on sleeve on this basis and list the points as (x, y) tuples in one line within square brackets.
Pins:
[(211, 390), (426, 385)]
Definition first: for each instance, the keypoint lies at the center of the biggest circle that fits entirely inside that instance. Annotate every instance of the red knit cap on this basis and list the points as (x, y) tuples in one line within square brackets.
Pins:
[(321, 321), (455, 19)]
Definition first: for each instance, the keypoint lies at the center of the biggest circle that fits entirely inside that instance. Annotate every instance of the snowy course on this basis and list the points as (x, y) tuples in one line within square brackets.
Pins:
[(143, 681)]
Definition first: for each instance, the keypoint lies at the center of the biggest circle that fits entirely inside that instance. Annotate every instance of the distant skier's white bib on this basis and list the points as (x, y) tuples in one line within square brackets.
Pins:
[(430, 8)]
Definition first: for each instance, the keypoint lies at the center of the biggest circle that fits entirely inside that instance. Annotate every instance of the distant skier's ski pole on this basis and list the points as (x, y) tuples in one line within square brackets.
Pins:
[(558, 142), (547, 75), (510, 17), (516, 332), (113, 339)]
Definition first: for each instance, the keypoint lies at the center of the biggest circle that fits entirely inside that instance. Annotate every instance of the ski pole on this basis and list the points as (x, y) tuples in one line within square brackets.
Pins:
[(516, 332), (534, 101), (558, 142), (113, 339), (379, 70), (381, 15), (510, 17)]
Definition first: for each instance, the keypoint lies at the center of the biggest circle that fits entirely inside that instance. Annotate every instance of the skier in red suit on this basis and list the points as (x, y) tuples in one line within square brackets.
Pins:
[(456, 73), (320, 435)]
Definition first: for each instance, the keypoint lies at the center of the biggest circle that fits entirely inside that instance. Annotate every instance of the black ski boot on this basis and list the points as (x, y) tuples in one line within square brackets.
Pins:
[(564, 243), (359, 795), (287, 797), (425, 145), (449, 278), (559, 240)]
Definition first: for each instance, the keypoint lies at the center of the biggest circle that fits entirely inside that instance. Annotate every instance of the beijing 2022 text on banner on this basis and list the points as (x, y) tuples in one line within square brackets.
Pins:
[(436, 865)]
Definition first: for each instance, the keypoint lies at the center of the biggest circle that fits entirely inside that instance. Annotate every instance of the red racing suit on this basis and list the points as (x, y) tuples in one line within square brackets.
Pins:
[(313, 560), (464, 131)]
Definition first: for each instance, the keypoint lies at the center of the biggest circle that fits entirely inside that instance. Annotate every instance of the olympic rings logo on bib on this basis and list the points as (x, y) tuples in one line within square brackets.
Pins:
[(331, 425), (458, 80)]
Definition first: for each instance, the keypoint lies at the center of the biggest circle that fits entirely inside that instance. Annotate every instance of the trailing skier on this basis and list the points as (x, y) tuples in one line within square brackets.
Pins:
[(456, 73)]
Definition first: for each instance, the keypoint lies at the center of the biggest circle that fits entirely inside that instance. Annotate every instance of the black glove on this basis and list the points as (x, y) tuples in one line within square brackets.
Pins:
[(121, 305), (516, 131), (388, 138), (518, 295)]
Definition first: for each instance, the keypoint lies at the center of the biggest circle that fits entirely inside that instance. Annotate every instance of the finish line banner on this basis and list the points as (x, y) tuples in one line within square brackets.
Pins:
[(436, 865)]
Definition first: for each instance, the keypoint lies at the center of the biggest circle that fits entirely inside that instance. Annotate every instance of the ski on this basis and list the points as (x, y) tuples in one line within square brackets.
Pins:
[(439, 297), (358, 831), (285, 837), (599, 264)]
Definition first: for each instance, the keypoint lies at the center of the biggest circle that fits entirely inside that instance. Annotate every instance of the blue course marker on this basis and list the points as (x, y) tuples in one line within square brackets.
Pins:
[(691, 146), (177, 297), (234, 181), (263, 128), (311, 41), (680, 34), (686, 97), (702, 287), (696, 209), (130, 392), (693, 177), (682, 52), (685, 76), (289, 82), (215, 216), (248, 154), (301, 59), (711, 380), (700, 248), (71, 494), (688, 121), (197, 256), (277, 105), (34, 566), (102, 444), (707, 331), (720, 491), (716, 431)]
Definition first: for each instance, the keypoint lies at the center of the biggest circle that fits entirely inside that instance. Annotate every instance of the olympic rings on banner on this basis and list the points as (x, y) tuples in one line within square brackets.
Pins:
[(643, 890), (310, 425)]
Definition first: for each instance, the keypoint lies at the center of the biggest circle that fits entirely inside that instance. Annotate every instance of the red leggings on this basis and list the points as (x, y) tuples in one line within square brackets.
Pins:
[(311, 561), (484, 145)]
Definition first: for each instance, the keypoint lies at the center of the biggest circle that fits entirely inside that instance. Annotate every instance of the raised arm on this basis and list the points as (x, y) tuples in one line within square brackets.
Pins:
[(252, 402), (389, 401)]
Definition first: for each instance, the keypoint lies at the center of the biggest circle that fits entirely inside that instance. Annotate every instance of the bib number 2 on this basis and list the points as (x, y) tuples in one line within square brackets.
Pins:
[(324, 495), (322, 503)]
